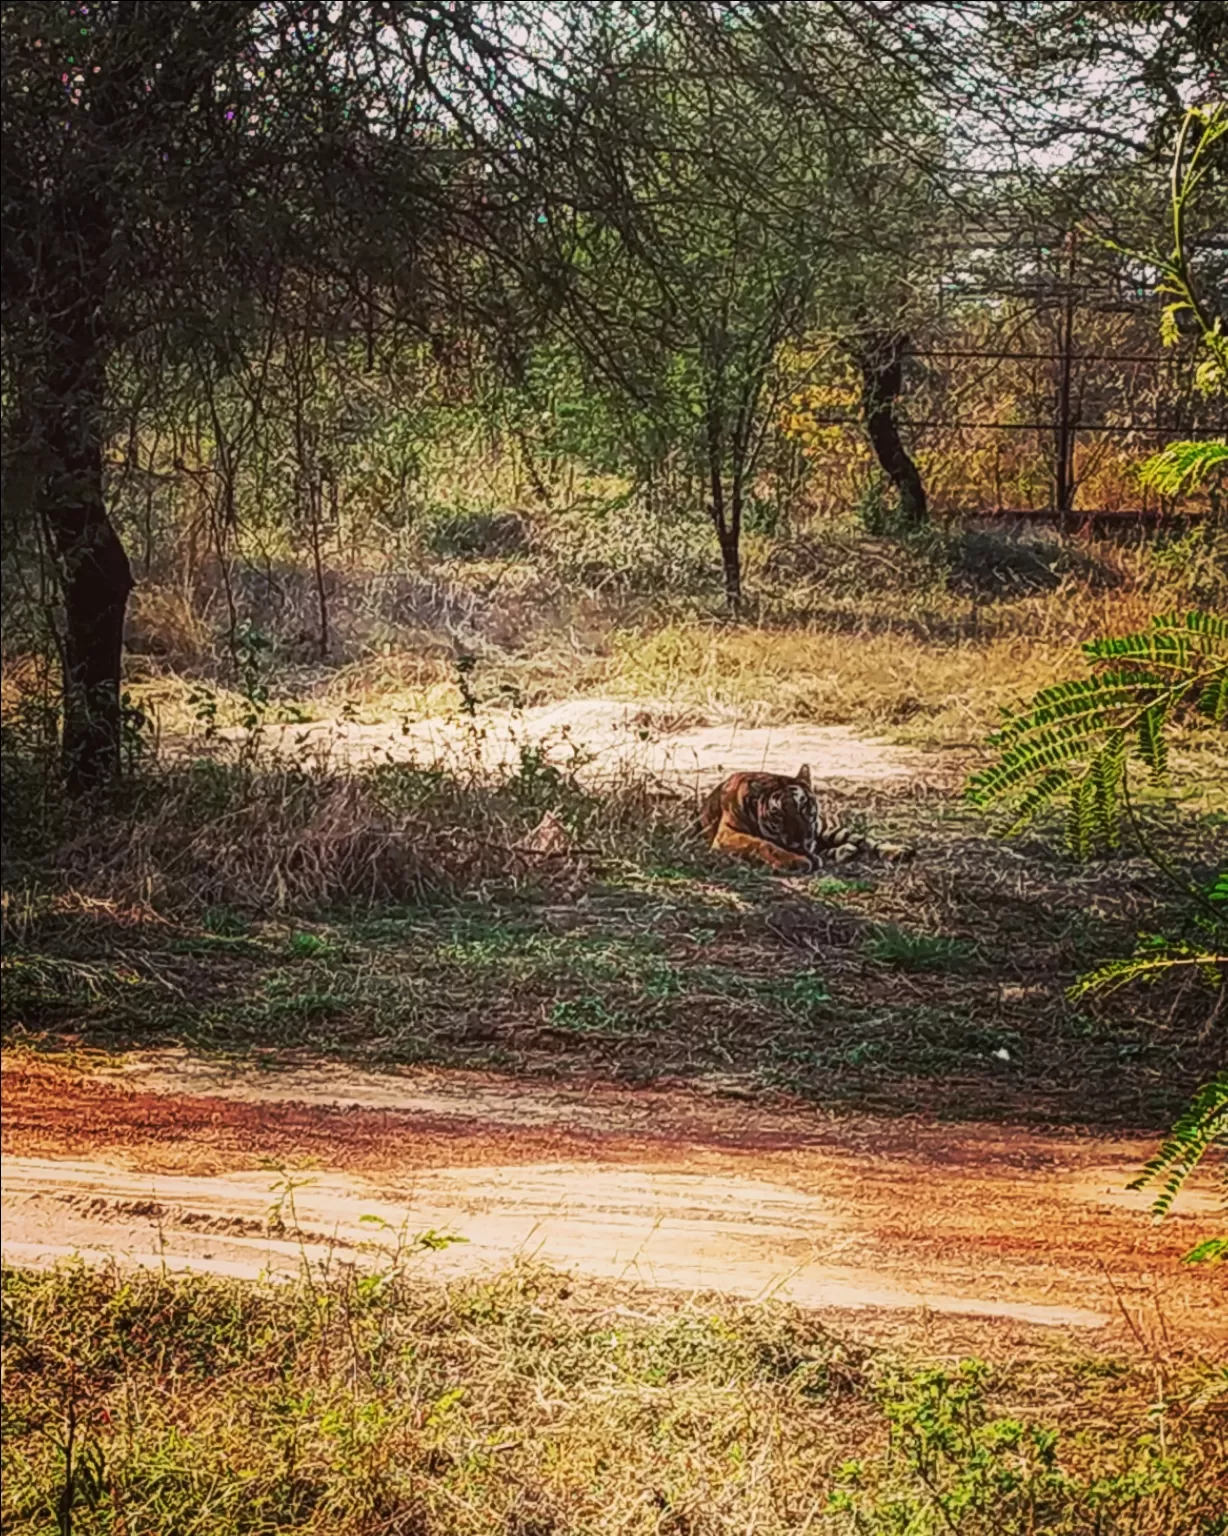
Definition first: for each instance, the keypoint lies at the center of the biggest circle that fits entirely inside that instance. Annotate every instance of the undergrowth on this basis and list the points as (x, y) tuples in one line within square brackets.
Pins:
[(530, 922), (926, 638), (529, 1404)]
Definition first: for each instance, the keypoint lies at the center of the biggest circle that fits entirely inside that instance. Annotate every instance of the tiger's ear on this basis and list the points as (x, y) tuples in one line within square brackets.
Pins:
[(803, 775)]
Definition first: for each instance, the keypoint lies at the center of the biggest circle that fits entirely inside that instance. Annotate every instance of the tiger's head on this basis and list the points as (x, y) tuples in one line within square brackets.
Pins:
[(789, 815)]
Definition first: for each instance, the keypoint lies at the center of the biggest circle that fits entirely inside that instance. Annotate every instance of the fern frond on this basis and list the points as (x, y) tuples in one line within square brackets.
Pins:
[(1139, 683), (1042, 793), (1080, 818), (1161, 648), (1204, 1125), (1043, 757), (1088, 698), (1213, 700), (1173, 638), (1105, 775), (1152, 747), (1213, 625), (1114, 974)]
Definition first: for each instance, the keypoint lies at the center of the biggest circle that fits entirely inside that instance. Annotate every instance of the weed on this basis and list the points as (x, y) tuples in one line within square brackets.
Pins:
[(307, 946), (833, 886), (891, 945), (954, 1465), (802, 992), (591, 1016), (224, 923)]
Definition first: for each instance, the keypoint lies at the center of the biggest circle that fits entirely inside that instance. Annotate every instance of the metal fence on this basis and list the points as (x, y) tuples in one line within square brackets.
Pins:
[(1176, 414)]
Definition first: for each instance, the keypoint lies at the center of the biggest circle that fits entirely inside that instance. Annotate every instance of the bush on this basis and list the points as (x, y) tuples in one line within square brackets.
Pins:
[(479, 535)]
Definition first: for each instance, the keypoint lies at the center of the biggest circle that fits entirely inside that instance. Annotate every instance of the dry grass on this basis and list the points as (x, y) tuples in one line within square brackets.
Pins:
[(925, 642), (174, 627), (926, 645), (286, 838), (528, 1405), (896, 683)]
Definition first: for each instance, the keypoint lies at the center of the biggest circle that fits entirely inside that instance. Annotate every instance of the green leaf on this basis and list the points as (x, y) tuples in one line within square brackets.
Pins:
[(1204, 1125), (1152, 747), (1183, 466)]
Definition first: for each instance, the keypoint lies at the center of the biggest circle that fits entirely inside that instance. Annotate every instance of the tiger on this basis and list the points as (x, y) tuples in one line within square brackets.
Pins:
[(775, 820)]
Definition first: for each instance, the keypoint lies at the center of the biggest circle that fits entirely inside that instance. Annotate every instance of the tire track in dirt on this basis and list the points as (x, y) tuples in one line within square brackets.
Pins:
[(168, 1159)]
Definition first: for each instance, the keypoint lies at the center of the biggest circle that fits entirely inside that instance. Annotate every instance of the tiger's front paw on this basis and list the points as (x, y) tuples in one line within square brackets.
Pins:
[(785, 862)]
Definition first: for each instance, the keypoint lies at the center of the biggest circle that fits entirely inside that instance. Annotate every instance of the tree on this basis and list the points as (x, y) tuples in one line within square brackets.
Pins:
[(90, 103), (708, 206), (1199, 155), (880, 356), (178, 179)]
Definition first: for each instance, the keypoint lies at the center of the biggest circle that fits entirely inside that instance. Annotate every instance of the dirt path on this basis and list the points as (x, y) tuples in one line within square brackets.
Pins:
[(172, 1160), (606, 740)]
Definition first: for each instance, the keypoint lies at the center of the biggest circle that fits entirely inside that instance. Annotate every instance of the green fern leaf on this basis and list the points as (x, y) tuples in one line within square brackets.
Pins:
[(1213, 700), (1164, 648), (1204, 1125), (1041, 794), (1105, 774), (1110, 976), (1213, 625), (1151, 745), (1082, 824), (1138, 684), (1183, 466)]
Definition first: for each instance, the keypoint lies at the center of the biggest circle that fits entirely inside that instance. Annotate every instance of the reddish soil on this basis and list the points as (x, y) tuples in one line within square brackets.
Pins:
[(175, 1160)]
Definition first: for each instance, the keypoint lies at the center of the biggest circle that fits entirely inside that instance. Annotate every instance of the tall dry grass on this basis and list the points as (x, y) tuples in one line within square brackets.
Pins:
[(265, 835), (925, 639)]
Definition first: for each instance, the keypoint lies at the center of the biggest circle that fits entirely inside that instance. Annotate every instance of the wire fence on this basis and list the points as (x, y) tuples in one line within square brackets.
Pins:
[(1070, 416)]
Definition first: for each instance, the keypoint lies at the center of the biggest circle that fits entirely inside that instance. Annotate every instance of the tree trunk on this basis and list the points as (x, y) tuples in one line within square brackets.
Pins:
[(729, 537), (728, 525), (881, 359), (96, 579), (95, 575), (731, 564)]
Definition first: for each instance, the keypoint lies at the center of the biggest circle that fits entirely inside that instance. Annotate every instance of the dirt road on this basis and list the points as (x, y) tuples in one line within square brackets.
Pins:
[(171, 1160), (605, 741)]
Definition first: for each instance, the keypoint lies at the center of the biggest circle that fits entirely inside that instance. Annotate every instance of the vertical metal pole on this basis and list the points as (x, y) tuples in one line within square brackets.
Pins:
[(1064, 468)]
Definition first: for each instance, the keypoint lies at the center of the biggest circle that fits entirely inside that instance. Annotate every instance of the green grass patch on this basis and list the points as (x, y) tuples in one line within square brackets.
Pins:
[(891, 945)]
